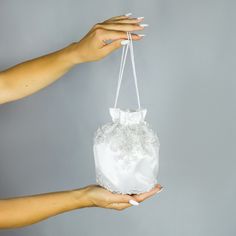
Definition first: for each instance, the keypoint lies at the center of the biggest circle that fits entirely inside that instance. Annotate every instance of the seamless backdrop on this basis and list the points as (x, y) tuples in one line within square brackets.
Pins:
[(186, 74)]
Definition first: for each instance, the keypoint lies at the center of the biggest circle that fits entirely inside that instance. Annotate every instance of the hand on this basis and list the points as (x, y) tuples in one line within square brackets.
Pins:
[(94, 47), (100, 197)]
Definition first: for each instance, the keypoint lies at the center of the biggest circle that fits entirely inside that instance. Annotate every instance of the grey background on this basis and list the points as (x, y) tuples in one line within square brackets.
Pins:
[(185, 66)]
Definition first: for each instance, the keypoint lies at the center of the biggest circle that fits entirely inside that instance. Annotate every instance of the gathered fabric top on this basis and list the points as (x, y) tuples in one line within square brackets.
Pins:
[(127, 117)]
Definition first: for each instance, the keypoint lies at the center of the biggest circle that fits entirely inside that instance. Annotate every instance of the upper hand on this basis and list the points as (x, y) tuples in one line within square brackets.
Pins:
[(94, 47)]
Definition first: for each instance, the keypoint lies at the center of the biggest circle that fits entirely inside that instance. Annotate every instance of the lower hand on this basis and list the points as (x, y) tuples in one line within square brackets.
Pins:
[(100, 197)]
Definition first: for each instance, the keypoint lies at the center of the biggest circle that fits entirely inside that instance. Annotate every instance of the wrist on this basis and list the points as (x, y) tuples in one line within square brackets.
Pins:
[(81, 198), (72, 54)]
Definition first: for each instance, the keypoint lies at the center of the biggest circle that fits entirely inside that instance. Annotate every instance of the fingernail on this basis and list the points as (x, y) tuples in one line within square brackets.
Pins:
[(134, 203), (124, 42), (128, 14), (140, 18), (161, 189), (141, 35), (144, 25)]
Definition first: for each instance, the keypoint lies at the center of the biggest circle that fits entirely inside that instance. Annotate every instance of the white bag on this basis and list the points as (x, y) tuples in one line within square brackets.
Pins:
[(126, 150)]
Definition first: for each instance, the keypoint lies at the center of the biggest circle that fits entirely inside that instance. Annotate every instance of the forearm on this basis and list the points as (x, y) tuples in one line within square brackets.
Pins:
[(31, 76), (22, 211)]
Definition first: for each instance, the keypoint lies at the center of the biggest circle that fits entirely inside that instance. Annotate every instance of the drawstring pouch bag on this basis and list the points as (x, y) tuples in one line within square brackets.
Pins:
[(126, 150)]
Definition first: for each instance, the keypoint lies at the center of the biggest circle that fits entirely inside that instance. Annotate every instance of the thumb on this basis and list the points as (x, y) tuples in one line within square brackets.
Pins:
[(112, 46)]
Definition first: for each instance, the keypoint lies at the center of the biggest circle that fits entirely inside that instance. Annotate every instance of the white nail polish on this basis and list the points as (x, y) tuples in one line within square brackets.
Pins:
[(142, 35), (140, 18), (134, 203), (144, 25), (128, 14), (124, 42), (160, 190)]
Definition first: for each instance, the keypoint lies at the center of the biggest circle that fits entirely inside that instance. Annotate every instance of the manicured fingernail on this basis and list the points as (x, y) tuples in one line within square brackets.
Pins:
[(134, 203), (144, 25), (141, 35), (140, 18), (124, 42), (161, 189), (128, 14)]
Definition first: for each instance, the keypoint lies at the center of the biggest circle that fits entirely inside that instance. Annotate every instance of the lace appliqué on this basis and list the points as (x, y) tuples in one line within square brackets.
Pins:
[(127, 139)]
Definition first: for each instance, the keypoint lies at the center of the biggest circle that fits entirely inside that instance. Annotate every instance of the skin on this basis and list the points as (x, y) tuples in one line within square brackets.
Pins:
[(22, 211), (29, 77)]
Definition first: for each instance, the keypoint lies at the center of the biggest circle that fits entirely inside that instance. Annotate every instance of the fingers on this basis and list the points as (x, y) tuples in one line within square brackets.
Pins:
[(120, 206), (123, 198), (126, 16), (126, 20), (117, 38), (116, 28), (112, 46), (114, 35), (144, 196), (121, 202), (122, 23), (120, 27), (94, 47), (125, 201), (108, 48)]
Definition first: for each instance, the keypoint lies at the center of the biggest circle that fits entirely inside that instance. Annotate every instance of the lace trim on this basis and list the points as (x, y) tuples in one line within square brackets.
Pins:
[(127, 139), (105, 184)]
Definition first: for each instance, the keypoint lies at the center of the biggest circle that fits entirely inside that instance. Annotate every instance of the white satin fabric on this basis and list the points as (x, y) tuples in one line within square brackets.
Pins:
[(126, 153)]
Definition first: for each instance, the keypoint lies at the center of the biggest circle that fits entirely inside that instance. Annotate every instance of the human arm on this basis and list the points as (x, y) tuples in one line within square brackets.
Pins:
[(22, 211), (28, 77)]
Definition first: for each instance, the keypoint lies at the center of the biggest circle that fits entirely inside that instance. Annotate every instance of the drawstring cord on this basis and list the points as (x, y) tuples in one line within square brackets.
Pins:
[(125, 50)]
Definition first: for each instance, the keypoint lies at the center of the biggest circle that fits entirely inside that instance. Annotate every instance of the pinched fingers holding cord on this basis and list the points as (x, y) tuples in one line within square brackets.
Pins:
[(107, 36)]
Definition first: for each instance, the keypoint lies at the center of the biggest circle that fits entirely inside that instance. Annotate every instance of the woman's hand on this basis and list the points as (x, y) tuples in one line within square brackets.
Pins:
[(99, 197), (22, 211), (94, 47), (28, 77)]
